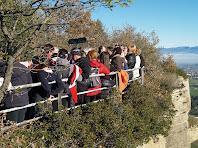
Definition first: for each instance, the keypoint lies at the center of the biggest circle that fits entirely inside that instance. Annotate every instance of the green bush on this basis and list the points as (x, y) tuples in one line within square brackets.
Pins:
[(192, 121), (170, 66), (108, 123)]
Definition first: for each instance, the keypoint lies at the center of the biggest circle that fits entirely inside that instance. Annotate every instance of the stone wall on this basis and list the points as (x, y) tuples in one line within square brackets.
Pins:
[(178, 135)]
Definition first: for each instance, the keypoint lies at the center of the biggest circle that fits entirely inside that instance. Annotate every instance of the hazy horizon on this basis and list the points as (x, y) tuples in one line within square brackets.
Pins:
[(184, 58)]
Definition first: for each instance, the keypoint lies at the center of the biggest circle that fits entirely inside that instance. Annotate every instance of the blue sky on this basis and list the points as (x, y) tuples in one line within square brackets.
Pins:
[(174, 21)]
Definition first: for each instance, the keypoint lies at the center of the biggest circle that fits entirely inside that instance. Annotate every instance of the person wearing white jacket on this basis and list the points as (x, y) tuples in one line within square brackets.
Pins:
[(136, 73)]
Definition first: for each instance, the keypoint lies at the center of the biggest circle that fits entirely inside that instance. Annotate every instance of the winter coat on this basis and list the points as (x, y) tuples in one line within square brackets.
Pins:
[(46, 76), (103, 69), (16, 98), (123, 81), (136, 73), (131, 60), (116, 63), (84, 64)]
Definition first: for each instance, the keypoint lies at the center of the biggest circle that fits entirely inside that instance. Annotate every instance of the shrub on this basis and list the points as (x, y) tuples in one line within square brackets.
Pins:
[(142, 114), (170, 66)]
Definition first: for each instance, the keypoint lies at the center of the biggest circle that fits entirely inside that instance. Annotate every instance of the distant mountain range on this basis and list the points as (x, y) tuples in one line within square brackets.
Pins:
[(182, 49)]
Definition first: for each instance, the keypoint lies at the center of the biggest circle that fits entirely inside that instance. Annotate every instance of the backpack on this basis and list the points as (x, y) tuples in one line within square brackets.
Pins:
[(95, 81)]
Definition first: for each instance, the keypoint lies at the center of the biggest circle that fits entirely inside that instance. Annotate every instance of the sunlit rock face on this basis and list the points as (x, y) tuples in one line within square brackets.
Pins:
[(178, 135)]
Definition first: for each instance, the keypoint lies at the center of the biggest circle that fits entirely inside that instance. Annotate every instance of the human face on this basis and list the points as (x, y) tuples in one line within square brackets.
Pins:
[(103, 49), (75, 57), (109, 51), (125, 50)]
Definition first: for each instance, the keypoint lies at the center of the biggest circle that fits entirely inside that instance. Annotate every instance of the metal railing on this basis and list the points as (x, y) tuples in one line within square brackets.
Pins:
[(60, 97)]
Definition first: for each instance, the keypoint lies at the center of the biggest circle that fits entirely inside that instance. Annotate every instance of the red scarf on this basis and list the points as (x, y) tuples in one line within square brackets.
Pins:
[(77, 71)]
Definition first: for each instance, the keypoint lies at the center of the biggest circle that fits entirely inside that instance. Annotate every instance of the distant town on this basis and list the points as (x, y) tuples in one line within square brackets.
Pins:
[(191, 70)]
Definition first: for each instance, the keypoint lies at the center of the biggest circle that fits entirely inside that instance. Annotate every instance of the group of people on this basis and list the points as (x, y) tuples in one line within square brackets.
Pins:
[(56, 64)]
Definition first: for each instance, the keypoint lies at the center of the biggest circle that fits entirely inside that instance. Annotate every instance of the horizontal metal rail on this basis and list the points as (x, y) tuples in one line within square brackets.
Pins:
[(65, 96), (64, 80), (53, 99)]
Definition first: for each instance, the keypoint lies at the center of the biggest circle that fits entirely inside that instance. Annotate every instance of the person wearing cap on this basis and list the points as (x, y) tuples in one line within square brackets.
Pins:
[(84, 64)]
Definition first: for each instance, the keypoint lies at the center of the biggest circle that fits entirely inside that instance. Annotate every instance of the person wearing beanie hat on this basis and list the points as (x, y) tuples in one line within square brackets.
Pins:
[(76, 51), (84, 64)]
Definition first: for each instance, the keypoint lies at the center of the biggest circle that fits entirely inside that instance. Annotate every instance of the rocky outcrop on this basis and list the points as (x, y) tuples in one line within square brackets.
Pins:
[(178, 135)]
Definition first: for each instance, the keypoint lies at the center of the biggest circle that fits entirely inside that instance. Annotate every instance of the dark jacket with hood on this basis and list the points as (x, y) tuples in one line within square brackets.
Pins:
[(16, 98)]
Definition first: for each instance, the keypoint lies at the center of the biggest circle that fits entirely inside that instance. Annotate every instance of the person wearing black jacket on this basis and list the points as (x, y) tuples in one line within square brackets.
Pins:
[(131, 59), (84, 64), (45, 76), (17, 98)]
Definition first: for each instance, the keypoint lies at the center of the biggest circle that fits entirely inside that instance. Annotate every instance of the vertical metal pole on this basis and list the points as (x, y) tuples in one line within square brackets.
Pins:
[(142, 73), (117, 87), (60, 100), (117, 82)]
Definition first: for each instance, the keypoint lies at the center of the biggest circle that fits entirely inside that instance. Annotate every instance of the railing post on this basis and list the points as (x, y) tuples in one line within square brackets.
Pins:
[(60, 100), (117, 88), (117, 82), (142, 74)]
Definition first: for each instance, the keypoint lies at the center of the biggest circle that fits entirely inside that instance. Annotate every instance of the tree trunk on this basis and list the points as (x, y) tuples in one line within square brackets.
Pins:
[(7, 77)]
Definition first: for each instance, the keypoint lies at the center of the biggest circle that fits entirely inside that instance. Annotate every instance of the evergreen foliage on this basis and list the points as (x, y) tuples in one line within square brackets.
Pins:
[(143, 114)]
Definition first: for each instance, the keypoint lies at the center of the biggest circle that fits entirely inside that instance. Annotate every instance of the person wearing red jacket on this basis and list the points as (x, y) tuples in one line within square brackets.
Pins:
[(103, 69)]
